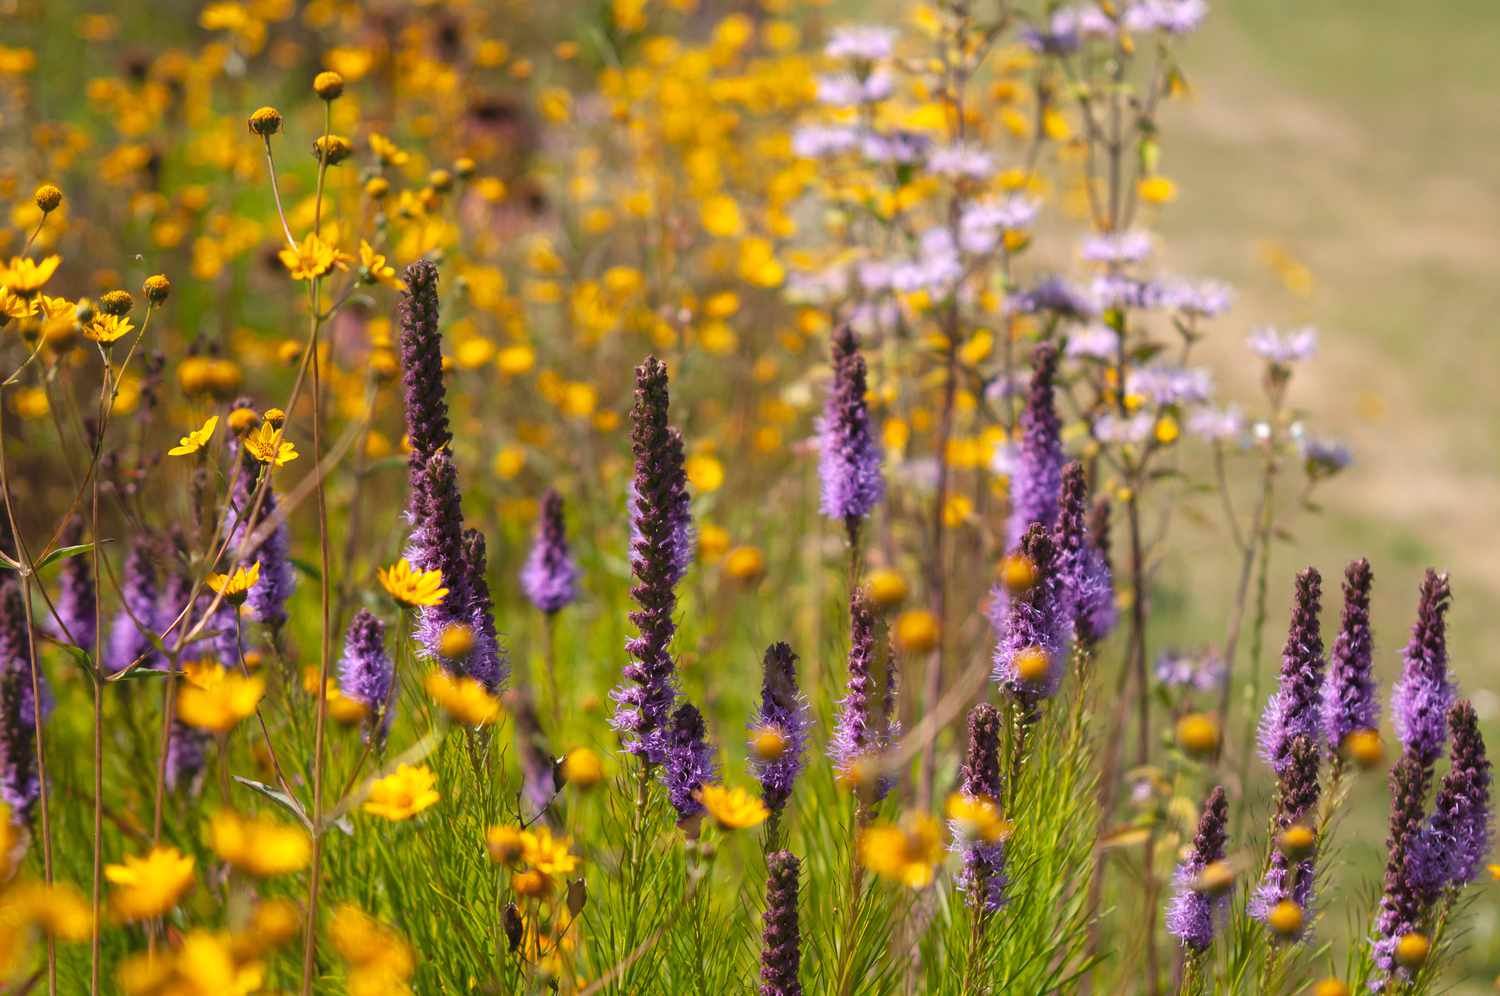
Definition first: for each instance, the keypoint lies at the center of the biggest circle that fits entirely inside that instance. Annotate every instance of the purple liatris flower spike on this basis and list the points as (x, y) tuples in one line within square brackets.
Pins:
[(1296, 801), (1423, 693), (779, 731), (268, 597), (437, 544), (1029, 655), (1349, 702), (1037, 479), (127, 639), (1402, 899), (1456, 839), (688, 761), (781, 942), (487, 661), (982, 877), (20, 784), (1295, 708), (187, 747), (865, 727), (1087, 589), (1194, 914), (366, 673), (658, 526), (539, 782), (76, 594), (1096, 611), (550, 578), (848, 454), (424, 396)]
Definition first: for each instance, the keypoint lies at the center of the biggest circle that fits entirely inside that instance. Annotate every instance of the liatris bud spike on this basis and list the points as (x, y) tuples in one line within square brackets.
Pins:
[(659, 525), (1453, 844), (982, 877), (1422, 695), (1296, 802), (848, 455), (1349, 702), (550, 578), (781, 943), (857, 732), (688, 761), (1088, 592), (127, 639), (1198, 909), (366, 673), (487, 660), (76, 594), (1037, 480), (1402, 899), (1295, 708), (1029, 655), (423, 393), (20, 784), (782, 723)]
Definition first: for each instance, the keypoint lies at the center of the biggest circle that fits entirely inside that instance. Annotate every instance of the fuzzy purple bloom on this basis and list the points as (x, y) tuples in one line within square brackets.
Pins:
[(1034, 622), (20, 785), (366, 673), (1295, 708), (1454, 842), (550, 578), (488, 661), (1423, 693), (1296, 802), (849, 455), (784, 710), (1193, 916), (687, 760), (658, 501), (781, 941), (268, 598), (127, 642), (1402, 901), (1349, 701), (539, 781), (424, 396), (1087, 588), (187, 749), (1037, 481), (437, 544), (982, 877), (864, 728), (76, 593)]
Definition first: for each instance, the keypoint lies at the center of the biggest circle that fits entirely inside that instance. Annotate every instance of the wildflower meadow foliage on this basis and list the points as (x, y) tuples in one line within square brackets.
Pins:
[(668, 497)]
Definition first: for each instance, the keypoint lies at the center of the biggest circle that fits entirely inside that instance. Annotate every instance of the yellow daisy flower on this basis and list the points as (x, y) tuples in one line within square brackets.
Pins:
[(312, 258), (465, 699), (375, 270), (403, 793), (149, 886), (216, 700), (107, 328), (235, 586), (267, 445), (25, 276), (412, 586), (733, 808), (197, 439), (907, 852), (258, 844)]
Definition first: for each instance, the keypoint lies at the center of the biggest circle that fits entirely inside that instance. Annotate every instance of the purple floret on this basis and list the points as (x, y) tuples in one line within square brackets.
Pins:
[(849, 455), (1193, 916), (1423, 693), (783, 709), (1349, 702), (687, 760), (1295, 708), (550, 578)]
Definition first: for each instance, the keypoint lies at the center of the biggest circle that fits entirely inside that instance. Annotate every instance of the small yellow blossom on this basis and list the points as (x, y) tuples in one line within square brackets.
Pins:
[(582, 768), (1412, 950), (463, 698), (235, 585), (374, 269), (732, 808), (106, 329), (380, 960), (1156, 190), (411, 585), (887, 588), (267, 445), (977, 818), (403, 793), (216, 700), (149, 886), (25, 276), (916, 631), (197, 439), (745, 564), (1198, 734), (312, 258), (907, 852), (259, 845), (705, 472), (506, 844)]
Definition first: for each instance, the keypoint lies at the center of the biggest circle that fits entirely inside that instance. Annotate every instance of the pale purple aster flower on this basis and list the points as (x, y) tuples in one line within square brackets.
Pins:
[(127, 640), (1349, 700), (1284, 348), (1162, 384), (1423, 693), (1116, 291), (981, 225), (1111, 428), (1216, 424), (550, 578), (861, 43), (1037, 480), (1193, 916), (903, 147), (1205, 299), (1049, 42), (849, 90), (1086, 20), (784, 710), (1053, 295), (1171, 17), (982, 877), (1321, 458), (366, 673), (1094, 341), (849, 456), (1200, 672), (824, 141), (1295, 708), (1033, 622), (687, 760), (1296, 803), (1117, 247), (961, 161)]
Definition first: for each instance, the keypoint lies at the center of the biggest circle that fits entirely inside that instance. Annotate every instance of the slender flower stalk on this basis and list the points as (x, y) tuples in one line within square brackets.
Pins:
[(1295, 709), (1196, 913), (550, 577), (1349, 700), (849, 455), (779, 731), (1036, 481), (659, 535), (366, 674), (982, 878), (1423, 693), (781, 942)]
